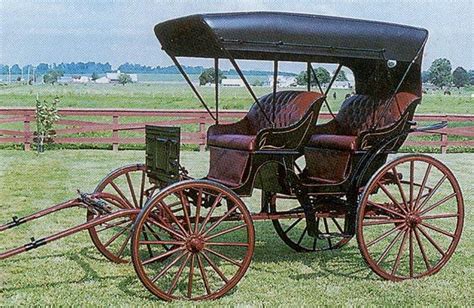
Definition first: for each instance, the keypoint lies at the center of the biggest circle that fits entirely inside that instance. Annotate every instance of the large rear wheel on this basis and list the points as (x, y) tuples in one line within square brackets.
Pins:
[(410, 218)]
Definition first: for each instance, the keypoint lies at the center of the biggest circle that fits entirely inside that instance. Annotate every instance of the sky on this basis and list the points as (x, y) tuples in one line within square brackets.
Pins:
[(118, 31)]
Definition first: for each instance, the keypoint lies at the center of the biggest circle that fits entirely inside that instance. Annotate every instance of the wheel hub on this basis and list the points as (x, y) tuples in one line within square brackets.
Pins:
[(413, 219), (195, 244)]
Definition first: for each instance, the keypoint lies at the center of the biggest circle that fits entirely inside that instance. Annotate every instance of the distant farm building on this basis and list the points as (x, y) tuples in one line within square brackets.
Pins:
[(283, 81), (232, 83), (102, 80), (342, 85)]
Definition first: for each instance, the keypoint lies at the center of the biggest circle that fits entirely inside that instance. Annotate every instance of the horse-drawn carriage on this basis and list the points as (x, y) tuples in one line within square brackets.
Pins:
[(321, 183)]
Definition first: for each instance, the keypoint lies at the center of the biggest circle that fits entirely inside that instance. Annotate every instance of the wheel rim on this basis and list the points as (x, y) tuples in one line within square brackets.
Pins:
[(294, 233), (131, 188), (189, 260), (410, 218)]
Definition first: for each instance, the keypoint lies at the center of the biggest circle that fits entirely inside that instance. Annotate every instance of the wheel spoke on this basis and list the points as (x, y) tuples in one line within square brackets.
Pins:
[(116, 236), (419, 208), (122, 248), (385, 209), (440, 216), (423, 184), (142, 188), (429, 226), (412, 182), (410, 251), (132, 191), (178, 274), (236, 263), (161, 256), (170, 231), (167, 267), (227, 244), (235, 228), (327, 232), (161, 243), (438, 203), (108, 226), (302, 235), (121, 194), (389, 247), (174, 218), (428, 237), (400, 188), (337, 225), (391, 197), (145, 235), (292, 225), (217, 222), (186, 207), (203, 274), (190, 278), (214, 266), (422, 249), (384, 235), (382, 222), (400, 253), (198, 211), (209, 214)]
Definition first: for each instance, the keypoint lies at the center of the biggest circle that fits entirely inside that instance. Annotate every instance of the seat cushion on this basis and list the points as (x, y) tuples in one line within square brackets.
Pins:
[(335, 142), (231, 141)]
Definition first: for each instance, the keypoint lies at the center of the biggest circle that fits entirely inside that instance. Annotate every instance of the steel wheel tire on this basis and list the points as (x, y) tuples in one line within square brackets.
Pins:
[(413, 201), (132, 189), (187, 262)]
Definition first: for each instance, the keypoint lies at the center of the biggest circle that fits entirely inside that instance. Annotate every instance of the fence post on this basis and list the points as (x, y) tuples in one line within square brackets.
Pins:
[(115, 133), (444, 143), (27, 132), (202, 134)]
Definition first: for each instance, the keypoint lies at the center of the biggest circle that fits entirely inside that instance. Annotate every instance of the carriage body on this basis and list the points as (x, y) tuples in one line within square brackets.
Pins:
[(194, 238)]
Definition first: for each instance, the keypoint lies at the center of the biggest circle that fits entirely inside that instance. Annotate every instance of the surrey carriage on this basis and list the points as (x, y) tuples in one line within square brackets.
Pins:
[(321, 183)]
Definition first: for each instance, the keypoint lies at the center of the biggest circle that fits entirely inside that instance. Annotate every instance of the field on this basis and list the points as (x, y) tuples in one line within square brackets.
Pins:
[(178, 95), (71, 272)]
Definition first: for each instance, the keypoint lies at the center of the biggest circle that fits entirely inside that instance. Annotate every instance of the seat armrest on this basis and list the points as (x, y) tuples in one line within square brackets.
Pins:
[(238, 128)]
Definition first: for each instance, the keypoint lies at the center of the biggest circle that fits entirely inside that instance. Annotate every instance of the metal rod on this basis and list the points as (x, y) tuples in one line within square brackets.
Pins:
[(186, 77), (216, 81), (333, 79), (308, 75), (92, 223), (275, 83), (247, 85), (321, 90)]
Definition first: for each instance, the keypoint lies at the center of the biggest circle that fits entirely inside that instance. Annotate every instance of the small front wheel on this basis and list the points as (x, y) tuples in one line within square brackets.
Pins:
[(200, 245), (410, 218)]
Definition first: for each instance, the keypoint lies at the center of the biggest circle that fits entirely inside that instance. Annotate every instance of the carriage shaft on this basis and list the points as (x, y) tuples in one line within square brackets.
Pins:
[(56, 236)]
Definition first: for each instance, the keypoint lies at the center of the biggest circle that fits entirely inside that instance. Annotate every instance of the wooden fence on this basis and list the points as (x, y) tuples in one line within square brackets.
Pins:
[(75, 123)]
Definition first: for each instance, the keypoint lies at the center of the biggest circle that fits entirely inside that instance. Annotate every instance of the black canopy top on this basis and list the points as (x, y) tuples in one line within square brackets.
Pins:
[(288, 37)]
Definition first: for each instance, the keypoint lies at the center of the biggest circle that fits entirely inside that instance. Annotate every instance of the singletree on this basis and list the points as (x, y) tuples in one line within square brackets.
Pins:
[(208, 76), (321, 73), (124, 79), (460, 77), (440, 72)]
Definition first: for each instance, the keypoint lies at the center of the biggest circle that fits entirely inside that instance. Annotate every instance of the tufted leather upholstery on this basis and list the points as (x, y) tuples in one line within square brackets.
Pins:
[(335, 142), (289, 107)]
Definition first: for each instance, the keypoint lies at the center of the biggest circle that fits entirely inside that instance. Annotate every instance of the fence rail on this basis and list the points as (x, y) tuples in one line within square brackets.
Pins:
[(74, 123)]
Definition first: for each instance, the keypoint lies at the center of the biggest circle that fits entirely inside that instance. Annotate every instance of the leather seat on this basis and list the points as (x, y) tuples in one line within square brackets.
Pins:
[(335, 142), (233, 141)]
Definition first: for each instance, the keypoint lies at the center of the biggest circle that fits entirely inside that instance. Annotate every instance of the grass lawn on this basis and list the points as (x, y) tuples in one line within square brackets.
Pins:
[(72, 272)]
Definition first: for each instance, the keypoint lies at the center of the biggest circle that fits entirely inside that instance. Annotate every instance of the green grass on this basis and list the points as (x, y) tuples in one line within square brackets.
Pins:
[(72, 272)]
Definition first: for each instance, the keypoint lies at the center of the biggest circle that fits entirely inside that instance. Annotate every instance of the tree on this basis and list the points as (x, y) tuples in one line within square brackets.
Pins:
[(124, 79), (471, 77), (321, 73), (94, 76), (46, 116), (425, 76), (207, 76), (440, 72), (460, 77), (341, 76), (52, 76)]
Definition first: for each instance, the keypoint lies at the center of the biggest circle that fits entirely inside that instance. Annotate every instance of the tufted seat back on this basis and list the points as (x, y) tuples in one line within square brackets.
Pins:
[(289, 107), (361, 112)]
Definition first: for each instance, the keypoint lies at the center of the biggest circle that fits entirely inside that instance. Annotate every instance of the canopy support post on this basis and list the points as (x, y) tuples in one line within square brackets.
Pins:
[(216, 81), (247, 85), (186, 77), (275, 83), (308, 75)]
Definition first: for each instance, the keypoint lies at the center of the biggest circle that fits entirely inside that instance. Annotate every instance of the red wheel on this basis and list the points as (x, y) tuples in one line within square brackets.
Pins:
[(130, 186), (206, 241), (410, 218), (293, 231)]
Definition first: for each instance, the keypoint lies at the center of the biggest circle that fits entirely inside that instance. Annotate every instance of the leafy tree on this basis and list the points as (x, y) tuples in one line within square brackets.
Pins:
[(257, 83), (440, 72), (341, 76), (460, 77), (321, 73), (471, 77), (124, 79), (52, 76), (425, 76), (16, 69), (94, 76), (208, 76), (46, 116)]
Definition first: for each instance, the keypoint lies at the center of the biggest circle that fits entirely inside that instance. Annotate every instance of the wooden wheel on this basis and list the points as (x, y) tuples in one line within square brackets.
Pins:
[(203, 241), (410, 218), (131, 188), (294, 233)]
